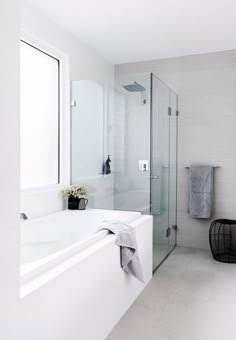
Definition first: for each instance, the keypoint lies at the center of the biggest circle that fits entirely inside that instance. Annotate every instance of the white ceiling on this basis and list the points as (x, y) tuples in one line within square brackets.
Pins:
[(134, 30)]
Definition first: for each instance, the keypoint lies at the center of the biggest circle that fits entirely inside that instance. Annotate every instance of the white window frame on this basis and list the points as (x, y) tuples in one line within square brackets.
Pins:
[(64, 110)]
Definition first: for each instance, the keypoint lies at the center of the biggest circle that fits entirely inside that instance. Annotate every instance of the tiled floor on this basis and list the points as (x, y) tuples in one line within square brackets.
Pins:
[(191, 297)]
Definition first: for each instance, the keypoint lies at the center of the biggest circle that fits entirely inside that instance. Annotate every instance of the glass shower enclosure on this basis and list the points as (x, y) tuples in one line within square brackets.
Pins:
[(163, 175), (136, 125)]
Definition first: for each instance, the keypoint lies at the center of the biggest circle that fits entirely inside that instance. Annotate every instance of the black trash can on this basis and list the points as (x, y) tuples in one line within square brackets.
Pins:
[(222, 237)]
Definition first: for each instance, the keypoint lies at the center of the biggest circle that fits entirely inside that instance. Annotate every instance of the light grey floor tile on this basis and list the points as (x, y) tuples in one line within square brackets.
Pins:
[(191, 297)]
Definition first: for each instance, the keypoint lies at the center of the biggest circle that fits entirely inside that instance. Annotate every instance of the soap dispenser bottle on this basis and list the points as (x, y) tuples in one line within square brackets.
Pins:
[(107, 166)]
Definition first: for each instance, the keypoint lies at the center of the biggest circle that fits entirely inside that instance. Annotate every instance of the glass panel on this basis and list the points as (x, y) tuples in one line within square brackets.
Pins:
[(160, 169), (87, 129), (115, 131), (137, 128), (39, 118), (173, 170), (88, 119)]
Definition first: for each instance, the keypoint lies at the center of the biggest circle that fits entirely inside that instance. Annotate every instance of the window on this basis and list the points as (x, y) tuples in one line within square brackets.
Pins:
[(40, 118)]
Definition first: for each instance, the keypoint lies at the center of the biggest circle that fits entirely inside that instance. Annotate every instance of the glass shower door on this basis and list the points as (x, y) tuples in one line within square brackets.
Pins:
[(159, 169), (163, 169), (173, 170)]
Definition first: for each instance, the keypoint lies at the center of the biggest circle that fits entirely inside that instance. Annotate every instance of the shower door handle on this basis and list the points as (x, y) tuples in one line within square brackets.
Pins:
[(154, 177)]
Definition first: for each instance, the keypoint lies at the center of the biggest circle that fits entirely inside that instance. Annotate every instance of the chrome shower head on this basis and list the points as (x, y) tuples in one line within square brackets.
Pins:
[(135, 87)]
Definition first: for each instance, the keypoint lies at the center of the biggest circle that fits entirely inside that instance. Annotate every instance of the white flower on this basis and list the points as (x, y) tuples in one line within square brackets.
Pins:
[(74, 191)]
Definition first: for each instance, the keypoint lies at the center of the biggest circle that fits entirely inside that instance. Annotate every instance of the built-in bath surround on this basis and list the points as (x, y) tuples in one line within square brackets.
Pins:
[(65, 258)]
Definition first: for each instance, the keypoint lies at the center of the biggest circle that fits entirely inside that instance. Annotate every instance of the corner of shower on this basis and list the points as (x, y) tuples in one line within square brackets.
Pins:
[(151, 158), (136, 124)]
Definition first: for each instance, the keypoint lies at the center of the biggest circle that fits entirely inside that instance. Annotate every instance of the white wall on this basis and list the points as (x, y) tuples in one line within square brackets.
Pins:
[(132, 186), (84, 63), (206, 85), (9, 169)]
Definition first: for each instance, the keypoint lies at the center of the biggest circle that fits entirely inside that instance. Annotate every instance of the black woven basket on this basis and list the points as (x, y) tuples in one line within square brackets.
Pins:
[(222, 237)]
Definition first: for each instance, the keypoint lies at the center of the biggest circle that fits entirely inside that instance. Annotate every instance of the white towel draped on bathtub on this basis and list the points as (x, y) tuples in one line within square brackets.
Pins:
[(126, 240)]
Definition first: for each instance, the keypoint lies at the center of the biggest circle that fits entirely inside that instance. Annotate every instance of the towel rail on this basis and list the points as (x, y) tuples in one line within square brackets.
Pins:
[(214, 166)]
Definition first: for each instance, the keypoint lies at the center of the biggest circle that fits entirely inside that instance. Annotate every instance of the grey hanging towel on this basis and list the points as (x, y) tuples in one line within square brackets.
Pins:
[(126, 240), (200, 191)]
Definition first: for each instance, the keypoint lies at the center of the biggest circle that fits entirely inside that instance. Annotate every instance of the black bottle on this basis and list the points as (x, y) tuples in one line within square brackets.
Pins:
[(107, 167)]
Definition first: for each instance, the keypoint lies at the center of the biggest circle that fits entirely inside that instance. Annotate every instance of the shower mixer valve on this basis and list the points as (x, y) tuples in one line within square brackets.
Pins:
[(143, 165)]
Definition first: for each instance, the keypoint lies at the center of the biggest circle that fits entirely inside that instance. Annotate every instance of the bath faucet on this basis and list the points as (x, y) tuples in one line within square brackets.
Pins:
[(23, 216)]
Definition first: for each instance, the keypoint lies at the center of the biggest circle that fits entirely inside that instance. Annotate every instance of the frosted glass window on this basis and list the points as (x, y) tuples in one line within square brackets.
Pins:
[(39, 118)]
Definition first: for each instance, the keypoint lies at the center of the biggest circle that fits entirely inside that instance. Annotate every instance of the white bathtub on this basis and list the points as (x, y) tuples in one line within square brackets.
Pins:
[(44, 236), (68, 268)]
